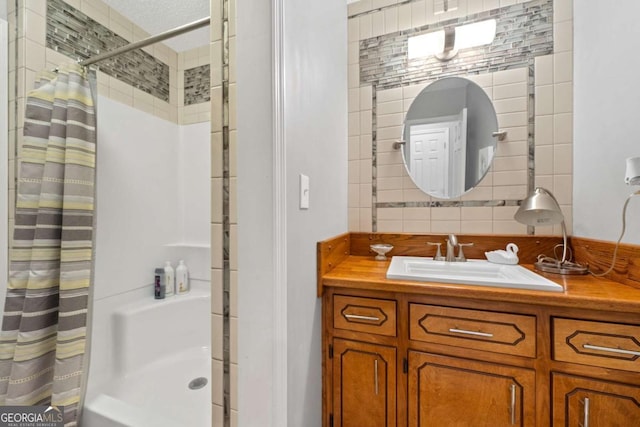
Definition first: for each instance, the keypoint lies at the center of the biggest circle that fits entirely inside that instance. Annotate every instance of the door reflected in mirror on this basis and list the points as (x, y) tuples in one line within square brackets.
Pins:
[(449, 134)]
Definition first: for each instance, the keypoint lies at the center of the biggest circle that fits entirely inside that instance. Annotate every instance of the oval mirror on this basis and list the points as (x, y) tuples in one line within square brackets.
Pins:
[(449, 137)]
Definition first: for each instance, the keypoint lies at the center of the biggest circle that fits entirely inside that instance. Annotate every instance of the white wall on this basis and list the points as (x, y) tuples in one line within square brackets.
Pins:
[(255, 212), (316, 114), (4, 157), (315, 125), (145, 198), (3, 10), (606, 108), (194, 171), (138, 204)]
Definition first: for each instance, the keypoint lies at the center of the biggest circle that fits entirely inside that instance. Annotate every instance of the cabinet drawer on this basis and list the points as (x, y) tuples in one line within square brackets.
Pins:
[(609, 345), (482, 330), (371, 315)]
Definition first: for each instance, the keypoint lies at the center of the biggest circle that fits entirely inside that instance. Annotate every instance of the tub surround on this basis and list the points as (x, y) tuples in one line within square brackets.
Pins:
[(531, 349)]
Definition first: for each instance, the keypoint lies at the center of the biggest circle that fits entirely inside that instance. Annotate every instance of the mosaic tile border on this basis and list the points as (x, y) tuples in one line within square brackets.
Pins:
[(74, 34), (523, 31), (197, 85), (226, 220), (450, 204)]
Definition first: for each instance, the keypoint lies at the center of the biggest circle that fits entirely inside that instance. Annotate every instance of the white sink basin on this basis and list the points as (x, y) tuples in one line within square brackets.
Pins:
[(472, 272)]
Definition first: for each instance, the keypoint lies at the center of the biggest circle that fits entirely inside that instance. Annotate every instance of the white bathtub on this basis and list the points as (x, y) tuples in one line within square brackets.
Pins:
[(158, 348)]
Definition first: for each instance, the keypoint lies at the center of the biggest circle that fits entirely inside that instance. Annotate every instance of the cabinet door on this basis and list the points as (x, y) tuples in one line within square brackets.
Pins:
[(587, 402), (452, 392), (364, 384)]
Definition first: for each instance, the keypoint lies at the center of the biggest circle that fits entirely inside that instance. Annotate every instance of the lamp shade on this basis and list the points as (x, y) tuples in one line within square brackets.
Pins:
[(539, 209)]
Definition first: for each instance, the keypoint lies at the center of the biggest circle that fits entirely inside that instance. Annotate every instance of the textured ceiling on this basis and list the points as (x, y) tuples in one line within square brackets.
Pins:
[(156, 16)]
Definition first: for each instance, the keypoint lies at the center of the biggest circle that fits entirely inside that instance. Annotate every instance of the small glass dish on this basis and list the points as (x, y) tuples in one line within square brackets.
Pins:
[(381, 249)]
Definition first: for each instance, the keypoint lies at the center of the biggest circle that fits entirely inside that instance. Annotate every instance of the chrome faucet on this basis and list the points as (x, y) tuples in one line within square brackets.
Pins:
[(452, 242)]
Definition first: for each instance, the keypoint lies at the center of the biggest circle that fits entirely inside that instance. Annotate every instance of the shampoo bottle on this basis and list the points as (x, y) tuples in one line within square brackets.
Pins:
[(182, 278), (169, 278)]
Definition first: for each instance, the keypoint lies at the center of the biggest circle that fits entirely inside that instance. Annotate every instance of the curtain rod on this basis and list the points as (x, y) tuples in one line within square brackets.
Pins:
[(146, 42)]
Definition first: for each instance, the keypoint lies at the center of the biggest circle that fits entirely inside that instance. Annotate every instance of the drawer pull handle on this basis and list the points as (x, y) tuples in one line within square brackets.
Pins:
[(513, 404), (611, 349), (375, 373), (465, 332), (585, 402), (358, 317)]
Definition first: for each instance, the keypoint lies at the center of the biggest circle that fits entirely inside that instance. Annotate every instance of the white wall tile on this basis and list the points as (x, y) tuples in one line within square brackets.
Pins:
[(563, 67), (389, 95), (516, 75), (354, 124), (404, 17), (354, 148), (563, 36), (365, 27), (544, 160), (377, 24), (418, 14), (387, 120), (510, 91), (366, 122), (389, 107), (366, 98), (544, 70), (354, 100), (563, 97), (544, 100), (563, 128), (366, 147), (562, 159), (353, 30), (562, 10), (391, 20)]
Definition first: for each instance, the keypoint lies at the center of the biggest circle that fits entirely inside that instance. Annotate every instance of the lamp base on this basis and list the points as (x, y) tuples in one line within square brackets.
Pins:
[(557, 267)]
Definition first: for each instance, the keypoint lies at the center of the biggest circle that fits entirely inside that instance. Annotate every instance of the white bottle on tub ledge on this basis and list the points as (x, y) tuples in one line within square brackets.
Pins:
[(169, 278), (182, 278)]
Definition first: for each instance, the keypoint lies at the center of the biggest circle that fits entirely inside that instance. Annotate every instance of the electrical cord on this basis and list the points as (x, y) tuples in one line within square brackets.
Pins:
[(624, 225)]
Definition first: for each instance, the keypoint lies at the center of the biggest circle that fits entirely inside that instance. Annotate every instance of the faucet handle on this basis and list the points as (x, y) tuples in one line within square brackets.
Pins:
[(461, 256), (438, 256)]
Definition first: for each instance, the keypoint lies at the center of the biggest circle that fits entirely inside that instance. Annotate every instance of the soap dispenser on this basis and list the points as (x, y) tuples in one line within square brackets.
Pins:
[(182, 278)]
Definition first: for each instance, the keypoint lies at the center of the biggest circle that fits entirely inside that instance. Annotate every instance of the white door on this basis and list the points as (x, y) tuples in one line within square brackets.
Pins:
[(429, 158), (458, 155)]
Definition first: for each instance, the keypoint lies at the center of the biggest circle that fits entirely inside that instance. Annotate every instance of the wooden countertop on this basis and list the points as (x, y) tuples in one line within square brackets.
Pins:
[(341, 263)]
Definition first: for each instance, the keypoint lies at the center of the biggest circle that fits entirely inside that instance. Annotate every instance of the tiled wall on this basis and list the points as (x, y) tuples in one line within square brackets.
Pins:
[(224, 222), (531, 92), (401, 206), (76, 35), (194, 83)]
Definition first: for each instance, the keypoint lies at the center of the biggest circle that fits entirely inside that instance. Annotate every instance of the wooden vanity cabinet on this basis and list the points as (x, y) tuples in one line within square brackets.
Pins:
[(364, 384), (396, 359), (468, 393), (579, 401), (363, 387)]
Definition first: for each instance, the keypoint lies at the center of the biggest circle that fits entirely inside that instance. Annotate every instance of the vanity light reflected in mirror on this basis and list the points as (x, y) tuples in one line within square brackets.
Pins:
[(449, 137)]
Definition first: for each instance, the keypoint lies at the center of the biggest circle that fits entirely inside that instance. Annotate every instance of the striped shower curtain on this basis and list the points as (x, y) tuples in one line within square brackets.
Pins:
[(43, 342)]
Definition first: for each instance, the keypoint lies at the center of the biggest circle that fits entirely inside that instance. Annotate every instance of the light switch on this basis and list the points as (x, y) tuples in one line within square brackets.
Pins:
[(304, 191)]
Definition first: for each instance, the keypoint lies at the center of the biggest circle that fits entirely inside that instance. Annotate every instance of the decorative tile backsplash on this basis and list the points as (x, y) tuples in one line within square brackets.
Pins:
[(74, 34), (197, 83), (523, 31)]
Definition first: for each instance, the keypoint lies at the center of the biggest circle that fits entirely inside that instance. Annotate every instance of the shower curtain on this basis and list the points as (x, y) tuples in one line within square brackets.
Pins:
[(43, 342)]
